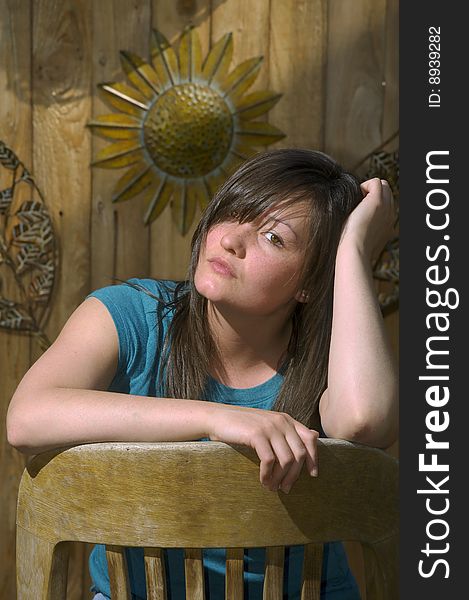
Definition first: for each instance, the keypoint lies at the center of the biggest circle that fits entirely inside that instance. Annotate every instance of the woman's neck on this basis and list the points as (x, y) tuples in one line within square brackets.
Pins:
[(250, 349)]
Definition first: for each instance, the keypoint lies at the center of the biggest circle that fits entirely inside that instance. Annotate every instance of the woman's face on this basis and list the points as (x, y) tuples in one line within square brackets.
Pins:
[(255, 267)]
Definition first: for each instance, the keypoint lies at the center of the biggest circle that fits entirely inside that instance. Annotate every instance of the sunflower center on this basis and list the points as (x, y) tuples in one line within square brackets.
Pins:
[(188, 130)]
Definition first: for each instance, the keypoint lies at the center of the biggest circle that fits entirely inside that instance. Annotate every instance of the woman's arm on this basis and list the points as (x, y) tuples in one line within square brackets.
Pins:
[(62, 400), (361, 402)]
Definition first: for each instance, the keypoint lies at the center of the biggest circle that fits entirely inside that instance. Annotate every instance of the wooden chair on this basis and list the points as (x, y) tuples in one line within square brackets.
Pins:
[(202, 495)]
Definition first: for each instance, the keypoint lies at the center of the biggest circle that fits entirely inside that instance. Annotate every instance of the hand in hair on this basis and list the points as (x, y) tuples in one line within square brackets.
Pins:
[(371, 224), (282, 444)]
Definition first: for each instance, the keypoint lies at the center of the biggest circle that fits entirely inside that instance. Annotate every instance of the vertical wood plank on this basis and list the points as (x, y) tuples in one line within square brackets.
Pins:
[(391, 71), (194, 572), (169, 250), (249, 23), (273, 578), (234, 584), (61, 77), (312, 569), (119, 238), (118, 574), (355, 70), (16, 132), (155, 575), (61, 153), (297, 69)]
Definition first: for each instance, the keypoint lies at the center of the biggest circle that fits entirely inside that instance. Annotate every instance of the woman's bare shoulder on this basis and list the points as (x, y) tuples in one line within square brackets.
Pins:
[(84, 354)]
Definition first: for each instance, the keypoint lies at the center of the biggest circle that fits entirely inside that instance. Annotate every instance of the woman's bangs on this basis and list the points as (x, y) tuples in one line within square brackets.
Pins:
[(248, 208)]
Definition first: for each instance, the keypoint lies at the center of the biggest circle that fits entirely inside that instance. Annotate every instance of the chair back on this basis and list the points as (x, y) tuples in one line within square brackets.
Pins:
[(196, 495)]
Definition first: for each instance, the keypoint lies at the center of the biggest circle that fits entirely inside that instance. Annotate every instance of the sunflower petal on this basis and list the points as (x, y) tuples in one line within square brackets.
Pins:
[(134, 181), (256, 133), (256, 104), (217, 63), (140, 74), (190, 55), (164, 60), (119, 154), (156, 201), (232, 162), (123, 97), (197, 191), (241, 78), (214, 180), (183, 207), (116, 126), (242, 149)]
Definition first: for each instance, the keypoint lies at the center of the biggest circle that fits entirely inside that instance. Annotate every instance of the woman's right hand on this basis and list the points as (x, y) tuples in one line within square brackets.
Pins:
[(282, 444), (372, 222)]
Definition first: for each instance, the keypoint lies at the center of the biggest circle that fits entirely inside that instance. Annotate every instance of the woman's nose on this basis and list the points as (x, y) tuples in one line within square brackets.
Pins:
[(234, 241)]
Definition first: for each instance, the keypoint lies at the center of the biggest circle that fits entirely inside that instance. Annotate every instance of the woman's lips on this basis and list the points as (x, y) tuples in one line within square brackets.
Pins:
[(221, 266)]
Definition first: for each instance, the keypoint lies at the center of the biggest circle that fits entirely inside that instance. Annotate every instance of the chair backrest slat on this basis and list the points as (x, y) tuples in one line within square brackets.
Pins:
[(118, 574), (234, 584), (273, 573), (155, 574), (312, 570), (194, 571)]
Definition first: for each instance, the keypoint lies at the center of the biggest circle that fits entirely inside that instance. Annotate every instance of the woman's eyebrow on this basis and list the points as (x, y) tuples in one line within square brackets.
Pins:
[(276, 220)]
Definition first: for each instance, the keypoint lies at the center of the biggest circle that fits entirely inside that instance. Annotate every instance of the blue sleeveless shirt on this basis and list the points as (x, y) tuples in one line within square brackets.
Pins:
[(142, 323)]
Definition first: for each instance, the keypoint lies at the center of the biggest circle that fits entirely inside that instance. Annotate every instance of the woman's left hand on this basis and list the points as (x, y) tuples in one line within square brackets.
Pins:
[(372, 222)]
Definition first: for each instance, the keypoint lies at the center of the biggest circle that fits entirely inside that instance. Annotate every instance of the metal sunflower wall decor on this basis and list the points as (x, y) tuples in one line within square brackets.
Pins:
[(183, 124), (385, 165), (28, 254)]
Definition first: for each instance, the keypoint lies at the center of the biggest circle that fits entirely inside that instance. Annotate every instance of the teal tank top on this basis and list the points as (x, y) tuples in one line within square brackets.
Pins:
[(142, 323)]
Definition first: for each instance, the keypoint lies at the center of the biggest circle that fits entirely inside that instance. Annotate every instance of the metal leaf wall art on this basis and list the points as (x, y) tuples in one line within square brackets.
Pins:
[(28, 252)]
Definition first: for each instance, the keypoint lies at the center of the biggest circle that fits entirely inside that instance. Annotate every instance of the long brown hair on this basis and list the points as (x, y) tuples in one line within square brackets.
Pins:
[(286, 175)]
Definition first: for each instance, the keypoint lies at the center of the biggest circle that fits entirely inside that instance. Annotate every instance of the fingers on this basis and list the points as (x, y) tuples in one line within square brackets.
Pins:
[(283, 455)]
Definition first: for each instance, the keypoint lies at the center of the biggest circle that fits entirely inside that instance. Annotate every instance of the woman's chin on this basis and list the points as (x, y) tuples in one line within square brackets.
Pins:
[(209, 289)]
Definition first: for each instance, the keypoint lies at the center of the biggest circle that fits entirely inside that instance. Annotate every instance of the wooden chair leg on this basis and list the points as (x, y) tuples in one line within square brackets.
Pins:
[(41, 567), (381, 564)]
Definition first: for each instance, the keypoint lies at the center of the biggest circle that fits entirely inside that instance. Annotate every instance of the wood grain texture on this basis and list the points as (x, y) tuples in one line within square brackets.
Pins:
[(61, 78), (169, 250), (16, 132), (273, 578), (120, 240), (194, 573), (42, 572), (219, 501), (391, 72), (355, 71), (312, 570), (118, 574), (297, 68), (155, 575), (234, 583), (61, 152)]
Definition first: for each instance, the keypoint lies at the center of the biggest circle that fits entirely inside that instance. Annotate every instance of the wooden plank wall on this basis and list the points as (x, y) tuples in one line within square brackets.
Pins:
[(335, 61)]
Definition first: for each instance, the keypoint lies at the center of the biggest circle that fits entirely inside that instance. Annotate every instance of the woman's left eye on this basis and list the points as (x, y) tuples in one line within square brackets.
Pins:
[(274, 239)]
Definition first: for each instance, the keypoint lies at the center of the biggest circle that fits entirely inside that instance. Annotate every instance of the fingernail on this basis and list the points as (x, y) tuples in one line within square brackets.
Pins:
[(286, 489), (314, 472)]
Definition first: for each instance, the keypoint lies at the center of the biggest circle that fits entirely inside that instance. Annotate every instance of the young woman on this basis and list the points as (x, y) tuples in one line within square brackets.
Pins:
[(275, 338)]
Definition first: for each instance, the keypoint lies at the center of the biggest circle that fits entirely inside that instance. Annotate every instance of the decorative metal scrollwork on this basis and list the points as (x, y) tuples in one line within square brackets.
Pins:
[(28, 253)]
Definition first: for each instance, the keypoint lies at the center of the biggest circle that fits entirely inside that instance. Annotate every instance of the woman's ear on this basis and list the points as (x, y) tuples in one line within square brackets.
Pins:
[(302, 296)]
